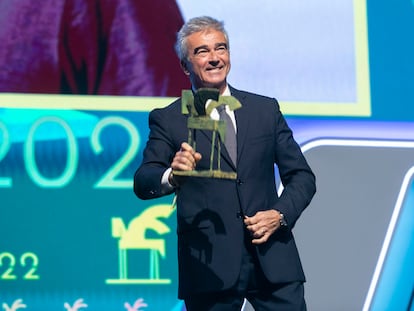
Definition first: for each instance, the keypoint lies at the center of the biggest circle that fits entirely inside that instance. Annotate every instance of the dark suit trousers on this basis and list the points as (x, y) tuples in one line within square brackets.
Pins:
[(253, 286)]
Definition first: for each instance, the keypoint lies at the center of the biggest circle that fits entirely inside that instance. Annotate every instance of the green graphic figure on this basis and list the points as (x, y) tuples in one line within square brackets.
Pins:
[(134, 237)]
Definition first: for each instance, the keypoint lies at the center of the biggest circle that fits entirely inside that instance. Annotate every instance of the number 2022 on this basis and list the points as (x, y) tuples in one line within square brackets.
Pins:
[(28, 260), (110, 177)]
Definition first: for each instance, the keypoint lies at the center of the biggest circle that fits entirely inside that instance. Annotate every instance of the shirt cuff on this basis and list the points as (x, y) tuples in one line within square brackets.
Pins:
[(165, 184)]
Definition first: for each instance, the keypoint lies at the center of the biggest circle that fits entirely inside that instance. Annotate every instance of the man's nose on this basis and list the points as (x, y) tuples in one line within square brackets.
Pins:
[(213, 56), (214, 62)]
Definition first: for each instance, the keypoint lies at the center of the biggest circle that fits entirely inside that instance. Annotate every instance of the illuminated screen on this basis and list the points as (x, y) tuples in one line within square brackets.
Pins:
[(71, 226), (75, 235), (312, 56)]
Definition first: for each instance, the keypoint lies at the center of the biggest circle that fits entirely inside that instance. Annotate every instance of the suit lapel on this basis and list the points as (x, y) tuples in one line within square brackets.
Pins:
[(242, 120), (242, 123)]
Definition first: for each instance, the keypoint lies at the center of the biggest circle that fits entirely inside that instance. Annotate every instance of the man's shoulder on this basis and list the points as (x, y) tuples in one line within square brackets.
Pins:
[(250, 95), (173, 107), (246, 98)]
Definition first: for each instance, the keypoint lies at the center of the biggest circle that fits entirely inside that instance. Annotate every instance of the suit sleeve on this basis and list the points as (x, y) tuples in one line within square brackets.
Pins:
[(296, 176), (157, 158)]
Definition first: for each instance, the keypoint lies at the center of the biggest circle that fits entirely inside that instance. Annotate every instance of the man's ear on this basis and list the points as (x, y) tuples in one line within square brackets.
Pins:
[(184, 67)]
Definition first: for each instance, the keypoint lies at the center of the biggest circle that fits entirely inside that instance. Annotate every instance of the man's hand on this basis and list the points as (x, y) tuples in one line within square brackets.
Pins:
[(185, 159), (262, 225)]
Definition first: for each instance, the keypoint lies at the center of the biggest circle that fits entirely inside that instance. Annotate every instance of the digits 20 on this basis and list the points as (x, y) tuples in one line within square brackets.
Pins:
[(110, 178)]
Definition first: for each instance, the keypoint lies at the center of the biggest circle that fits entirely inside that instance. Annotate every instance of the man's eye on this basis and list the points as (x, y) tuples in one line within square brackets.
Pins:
[(202, 52), (221, 49)]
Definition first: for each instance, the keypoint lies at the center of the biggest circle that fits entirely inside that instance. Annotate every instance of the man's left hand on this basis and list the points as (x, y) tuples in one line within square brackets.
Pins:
[(262, 225)]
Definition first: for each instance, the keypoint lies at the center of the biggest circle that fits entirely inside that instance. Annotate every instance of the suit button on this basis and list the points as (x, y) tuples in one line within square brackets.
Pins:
[(239, 182)]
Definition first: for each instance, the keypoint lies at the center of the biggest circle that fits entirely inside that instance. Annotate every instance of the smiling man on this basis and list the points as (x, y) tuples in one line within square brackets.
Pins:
[(234, 235), (207, 62)]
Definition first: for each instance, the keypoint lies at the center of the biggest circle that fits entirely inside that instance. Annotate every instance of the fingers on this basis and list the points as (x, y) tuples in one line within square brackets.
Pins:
[(186, 158), (186, 147), (269, 219), (258, 231), (261, 240), (262, 225), (259, 235)]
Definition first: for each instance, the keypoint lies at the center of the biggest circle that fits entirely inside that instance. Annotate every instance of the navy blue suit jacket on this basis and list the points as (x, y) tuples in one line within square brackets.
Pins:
[(210, 229)]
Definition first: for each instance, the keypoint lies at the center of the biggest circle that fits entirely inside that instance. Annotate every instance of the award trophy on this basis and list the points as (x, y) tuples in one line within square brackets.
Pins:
[(199, 119)]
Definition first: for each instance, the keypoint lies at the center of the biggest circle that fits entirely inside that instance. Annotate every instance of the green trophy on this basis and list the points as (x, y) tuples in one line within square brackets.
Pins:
[(199, 118)]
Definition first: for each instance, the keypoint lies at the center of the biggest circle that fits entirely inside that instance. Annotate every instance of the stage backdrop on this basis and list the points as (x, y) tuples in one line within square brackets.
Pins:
[(78, 80)]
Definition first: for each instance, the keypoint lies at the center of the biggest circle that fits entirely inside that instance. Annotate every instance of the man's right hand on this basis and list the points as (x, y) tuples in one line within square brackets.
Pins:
[(185, 159)]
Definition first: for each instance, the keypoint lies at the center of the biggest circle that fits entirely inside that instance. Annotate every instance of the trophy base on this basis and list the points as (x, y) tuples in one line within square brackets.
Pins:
[(208, 174)]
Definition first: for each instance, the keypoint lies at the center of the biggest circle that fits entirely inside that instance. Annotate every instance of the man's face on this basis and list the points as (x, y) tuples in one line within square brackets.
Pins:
[(208, 61)]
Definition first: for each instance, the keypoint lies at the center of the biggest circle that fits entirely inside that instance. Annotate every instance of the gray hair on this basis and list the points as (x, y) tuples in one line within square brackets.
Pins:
[(194, 25)]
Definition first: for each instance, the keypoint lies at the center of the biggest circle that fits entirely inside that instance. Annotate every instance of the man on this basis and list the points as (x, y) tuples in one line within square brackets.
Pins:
[(234, 236)]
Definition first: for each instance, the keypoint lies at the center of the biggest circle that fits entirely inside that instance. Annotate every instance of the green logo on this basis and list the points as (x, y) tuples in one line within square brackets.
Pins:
[(134, 237)]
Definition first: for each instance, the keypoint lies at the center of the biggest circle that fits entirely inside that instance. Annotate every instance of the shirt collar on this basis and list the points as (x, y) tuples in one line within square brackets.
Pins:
[(225, 93)]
